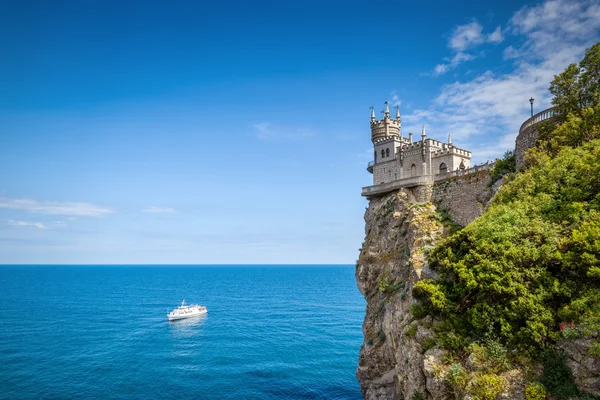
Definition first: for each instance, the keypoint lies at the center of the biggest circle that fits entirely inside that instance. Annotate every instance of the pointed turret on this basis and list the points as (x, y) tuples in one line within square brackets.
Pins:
[(384, 128), (423, 134), (449, 139), (410, 137), (397, 113)]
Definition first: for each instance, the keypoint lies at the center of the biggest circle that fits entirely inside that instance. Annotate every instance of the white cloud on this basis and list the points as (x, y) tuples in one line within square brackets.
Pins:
[(395, 99), (37, 225), (496, 37), (465, 37), (548, 37), (54, 207), (454, 62), (269, 131), (153, 209)]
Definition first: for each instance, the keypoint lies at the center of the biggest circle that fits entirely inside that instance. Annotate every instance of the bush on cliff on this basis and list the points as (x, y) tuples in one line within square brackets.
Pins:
[(530, 266), (536, 250)]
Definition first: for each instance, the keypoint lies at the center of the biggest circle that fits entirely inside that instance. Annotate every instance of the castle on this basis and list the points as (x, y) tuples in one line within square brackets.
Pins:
[(400, 162)]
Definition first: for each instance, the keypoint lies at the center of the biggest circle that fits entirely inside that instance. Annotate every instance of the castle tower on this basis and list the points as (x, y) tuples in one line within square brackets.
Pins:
[(386, 127), (402, 162)]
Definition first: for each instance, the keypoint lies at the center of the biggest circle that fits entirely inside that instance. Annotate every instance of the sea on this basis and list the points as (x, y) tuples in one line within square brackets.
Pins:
[(101, 332)]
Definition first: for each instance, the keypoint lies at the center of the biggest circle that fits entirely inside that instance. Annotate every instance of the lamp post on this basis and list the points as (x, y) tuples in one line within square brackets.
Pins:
[(531, 100)]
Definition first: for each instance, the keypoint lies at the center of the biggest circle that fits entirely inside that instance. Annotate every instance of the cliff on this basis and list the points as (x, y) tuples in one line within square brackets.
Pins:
[(400, 358), (507, 308)]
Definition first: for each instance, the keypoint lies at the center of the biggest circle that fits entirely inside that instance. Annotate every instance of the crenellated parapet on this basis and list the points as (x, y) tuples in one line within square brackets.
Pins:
[(402, 162), (386, 127)]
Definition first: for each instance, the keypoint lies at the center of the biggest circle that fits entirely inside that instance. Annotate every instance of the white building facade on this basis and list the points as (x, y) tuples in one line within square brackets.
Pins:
[(397, 158)]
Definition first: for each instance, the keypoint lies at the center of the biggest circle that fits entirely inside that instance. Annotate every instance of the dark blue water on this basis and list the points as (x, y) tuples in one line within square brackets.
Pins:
[(102, 332)]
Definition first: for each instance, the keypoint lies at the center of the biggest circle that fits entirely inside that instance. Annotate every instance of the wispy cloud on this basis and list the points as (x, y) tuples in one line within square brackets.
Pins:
[(270, 131), (166, 210), (54, 207), (463, 38), (548, 37), (395, 99), (26, 224)]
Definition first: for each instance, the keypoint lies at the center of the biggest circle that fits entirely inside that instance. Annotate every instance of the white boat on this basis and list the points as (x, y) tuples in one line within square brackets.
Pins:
[(183, 311)]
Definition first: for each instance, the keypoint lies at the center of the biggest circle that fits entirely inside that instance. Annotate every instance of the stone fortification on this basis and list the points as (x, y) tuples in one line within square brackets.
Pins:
[(463, 198), (528, 134), (399, 159)]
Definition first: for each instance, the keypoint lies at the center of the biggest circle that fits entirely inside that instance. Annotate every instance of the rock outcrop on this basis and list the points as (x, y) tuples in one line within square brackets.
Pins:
[(393, 258), (400, 358)]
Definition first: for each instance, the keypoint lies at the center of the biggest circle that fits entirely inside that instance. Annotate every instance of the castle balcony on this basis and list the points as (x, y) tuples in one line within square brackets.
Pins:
[(370, 166), (423, 180), (539, 117), (400, 183)]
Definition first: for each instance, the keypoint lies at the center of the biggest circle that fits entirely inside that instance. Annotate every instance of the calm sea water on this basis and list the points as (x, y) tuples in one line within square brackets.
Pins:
[(102, 332)]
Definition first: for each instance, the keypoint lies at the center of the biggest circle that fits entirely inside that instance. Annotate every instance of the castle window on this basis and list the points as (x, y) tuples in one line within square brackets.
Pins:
[(382, 153), (413, 170), (443, 168), (387, 152)]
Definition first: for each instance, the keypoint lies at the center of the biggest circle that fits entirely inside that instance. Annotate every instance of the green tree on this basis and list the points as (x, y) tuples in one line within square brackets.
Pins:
[(578, 87)]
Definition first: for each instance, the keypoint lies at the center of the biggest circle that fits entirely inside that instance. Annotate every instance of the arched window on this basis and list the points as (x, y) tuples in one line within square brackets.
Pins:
[(443, 168), (413, 170), (387, 152), (382, 153), (375, 156)]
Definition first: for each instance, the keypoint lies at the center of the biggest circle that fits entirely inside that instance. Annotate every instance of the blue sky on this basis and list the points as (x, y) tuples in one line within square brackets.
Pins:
[(190, 132)]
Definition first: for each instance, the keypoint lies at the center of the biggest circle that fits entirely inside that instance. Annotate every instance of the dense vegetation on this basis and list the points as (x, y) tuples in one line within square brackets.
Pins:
[(527, 272)]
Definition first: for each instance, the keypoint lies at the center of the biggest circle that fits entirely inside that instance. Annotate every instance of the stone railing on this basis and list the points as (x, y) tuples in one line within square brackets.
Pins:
[(462, 172), (539, 117), (400, 183), (370, 166), (422, 180)]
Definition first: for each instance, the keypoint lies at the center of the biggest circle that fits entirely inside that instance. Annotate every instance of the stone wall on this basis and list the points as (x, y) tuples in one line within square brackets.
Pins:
[(463, 198), (528, 134), (526, 139)]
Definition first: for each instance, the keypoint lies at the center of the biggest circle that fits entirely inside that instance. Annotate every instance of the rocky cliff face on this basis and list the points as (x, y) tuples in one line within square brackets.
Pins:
[(399, 232), (400, 358)]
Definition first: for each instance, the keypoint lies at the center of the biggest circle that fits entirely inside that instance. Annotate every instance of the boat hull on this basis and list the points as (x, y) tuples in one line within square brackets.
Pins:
[(185, 316)]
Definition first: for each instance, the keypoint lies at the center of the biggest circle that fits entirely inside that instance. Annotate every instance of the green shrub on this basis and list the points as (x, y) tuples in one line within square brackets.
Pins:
[(381, 336), (557, 376), (486, 386), (427, 344), (570, 332), (594, 350), (457, 379), (508, 273), (503, 166), (412, 330), (419, 311), (417, 396), (535, 391)]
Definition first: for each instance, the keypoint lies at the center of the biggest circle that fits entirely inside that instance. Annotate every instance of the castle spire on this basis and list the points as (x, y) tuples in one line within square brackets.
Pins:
[(449, 139), (372, 113), (387, 109), (423, 134), (397, 113)]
